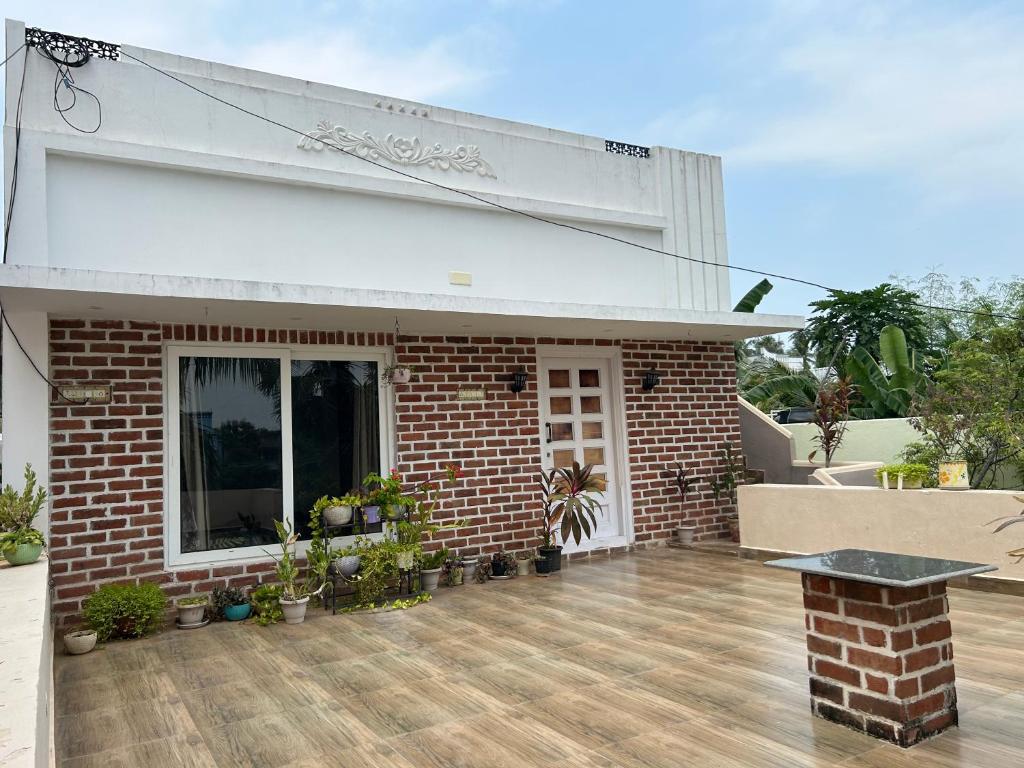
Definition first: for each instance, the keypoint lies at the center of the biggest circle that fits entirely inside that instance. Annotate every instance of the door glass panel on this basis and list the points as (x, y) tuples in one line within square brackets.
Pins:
[(601, 478), (558, 379), (563, 458), (561, 405), (561, 432), (592, 430), (590, 378), (590, 404), (230, 451), (593, 455), (335, 430)]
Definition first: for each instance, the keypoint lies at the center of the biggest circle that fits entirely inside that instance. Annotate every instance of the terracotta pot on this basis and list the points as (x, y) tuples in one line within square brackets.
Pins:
[(294, 610), (79, 642)]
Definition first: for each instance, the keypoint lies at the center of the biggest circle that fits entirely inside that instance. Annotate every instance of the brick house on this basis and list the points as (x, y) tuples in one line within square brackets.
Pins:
[(214, 301)]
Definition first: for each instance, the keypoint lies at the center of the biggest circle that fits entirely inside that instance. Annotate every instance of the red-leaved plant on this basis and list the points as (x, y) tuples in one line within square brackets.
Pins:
[(570, 505)]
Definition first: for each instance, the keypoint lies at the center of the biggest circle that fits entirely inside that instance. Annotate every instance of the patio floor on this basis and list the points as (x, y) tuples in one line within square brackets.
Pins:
[(661, 658)]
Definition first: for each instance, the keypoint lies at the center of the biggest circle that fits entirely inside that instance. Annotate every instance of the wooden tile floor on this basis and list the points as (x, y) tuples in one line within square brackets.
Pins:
[(662, 658)]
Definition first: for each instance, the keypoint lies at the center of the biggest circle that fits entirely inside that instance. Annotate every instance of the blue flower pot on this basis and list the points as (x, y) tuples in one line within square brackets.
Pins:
[(237, 612), (371, 515)]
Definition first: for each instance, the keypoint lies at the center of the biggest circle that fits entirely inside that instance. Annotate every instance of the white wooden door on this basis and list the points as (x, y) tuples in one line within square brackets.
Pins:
[(579, 425)]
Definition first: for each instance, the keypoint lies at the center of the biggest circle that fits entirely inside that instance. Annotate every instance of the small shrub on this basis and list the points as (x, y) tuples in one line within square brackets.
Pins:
[(125, 610), (265, 604), (223, 597), (910, 472)]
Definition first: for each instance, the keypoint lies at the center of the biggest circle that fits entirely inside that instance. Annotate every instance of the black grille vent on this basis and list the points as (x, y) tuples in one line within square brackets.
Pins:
[(68, 46), (621, 148)]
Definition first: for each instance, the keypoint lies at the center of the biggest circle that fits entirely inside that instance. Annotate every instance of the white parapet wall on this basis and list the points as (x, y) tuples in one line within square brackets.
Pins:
[(816, 518), (26, 661)]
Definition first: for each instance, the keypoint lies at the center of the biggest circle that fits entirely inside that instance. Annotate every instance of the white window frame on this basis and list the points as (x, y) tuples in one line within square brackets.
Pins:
[(173, 556)]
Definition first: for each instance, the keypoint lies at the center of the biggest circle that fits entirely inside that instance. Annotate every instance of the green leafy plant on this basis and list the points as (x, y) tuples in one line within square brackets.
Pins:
[(570, 504), (292, 588), (912, 473), (1002, 523), (223, 597), (378, 568), (727, 482), (125, 610), (18, 512), (266, 606), (192, 601), (431, 560)]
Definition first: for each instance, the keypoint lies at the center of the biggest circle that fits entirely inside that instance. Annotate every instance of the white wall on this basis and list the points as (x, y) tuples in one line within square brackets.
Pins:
[(868, 440), (174, 183), (26, 401)]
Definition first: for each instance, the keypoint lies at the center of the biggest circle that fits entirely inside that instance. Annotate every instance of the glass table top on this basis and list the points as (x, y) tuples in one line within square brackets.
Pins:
[(886, 568)]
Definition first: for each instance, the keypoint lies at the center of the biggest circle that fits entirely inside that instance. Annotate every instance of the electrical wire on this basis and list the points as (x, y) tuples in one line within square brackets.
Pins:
[(12, 54), (527, 214), (64, 60), (9, 215)]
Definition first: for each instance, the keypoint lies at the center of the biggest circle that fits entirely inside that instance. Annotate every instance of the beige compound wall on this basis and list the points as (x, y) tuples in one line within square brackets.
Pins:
[(950, 524)]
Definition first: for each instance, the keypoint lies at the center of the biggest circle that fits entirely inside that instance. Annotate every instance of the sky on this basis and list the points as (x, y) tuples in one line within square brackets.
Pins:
[(859, 139)]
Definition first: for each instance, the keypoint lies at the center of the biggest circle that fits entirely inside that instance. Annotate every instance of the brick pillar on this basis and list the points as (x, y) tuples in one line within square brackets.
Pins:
[(880, 658)]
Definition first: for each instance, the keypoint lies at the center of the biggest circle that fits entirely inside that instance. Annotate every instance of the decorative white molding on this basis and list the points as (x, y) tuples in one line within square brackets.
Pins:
[(398, 150)]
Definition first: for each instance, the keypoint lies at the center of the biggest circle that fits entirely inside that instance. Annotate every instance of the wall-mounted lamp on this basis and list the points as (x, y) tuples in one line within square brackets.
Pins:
[(651, 379), (518, 381)]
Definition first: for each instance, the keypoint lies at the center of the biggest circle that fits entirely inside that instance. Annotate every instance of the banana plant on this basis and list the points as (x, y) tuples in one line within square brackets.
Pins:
[(886, 392), (753, 297)]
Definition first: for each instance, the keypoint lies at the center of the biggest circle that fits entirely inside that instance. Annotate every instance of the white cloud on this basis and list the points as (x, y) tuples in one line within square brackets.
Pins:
[(904, 88), (365, 51)]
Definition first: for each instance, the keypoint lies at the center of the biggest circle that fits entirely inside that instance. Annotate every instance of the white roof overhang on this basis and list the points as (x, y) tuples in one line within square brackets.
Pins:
[(170, 298)]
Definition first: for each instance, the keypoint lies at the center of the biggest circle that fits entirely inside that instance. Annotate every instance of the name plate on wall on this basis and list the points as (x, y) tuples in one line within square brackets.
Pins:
[(472, 394), (95, 394)]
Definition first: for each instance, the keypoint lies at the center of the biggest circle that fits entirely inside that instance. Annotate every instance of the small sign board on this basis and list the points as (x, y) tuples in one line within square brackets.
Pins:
[(472, 394), (94, 394)]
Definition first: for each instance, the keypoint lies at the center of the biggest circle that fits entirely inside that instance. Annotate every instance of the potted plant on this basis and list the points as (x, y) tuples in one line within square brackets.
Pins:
[(20, 543), (397, 374), (503, 565), (523, 560), (336, 512), (570, 508), (452, 570), (191, 611), (681, 475), (483, 570), (230, 603), (295, 594), (953, 475), (468, 566), (347, 562), (385, 493), (80, 641), (902, 476), (125, 610), (430, 569), (266, 604)]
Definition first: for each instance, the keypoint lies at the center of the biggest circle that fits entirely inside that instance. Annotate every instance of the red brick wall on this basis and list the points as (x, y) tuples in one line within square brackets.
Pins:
[(107, 484), (688, 418)]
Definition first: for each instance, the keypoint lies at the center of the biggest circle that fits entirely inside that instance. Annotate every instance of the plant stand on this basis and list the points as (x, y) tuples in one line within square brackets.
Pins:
[(405, 587)]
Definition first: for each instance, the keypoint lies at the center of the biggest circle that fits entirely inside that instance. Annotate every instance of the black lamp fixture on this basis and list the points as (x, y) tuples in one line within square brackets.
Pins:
[(518, 381), (651, 379)]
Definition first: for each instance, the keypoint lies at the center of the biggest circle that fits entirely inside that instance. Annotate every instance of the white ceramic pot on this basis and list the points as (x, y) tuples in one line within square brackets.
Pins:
[(405, 560), (340, 515), (430, 578), (685, 534), (294, 610), (953, 474), (191, 614), (347, 565), (468, 568), (401, 375), (523, 567), (81, 641)]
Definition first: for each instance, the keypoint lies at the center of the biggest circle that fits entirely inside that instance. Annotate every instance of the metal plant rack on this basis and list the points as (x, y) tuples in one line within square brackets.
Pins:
[(406, 578)]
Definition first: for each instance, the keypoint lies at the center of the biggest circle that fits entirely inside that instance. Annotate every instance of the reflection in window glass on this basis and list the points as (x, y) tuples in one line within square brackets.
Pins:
[(335, 430), (230, 451)]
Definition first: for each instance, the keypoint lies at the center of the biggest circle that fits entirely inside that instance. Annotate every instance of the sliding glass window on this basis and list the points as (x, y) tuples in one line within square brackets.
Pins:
[(257, 435)]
